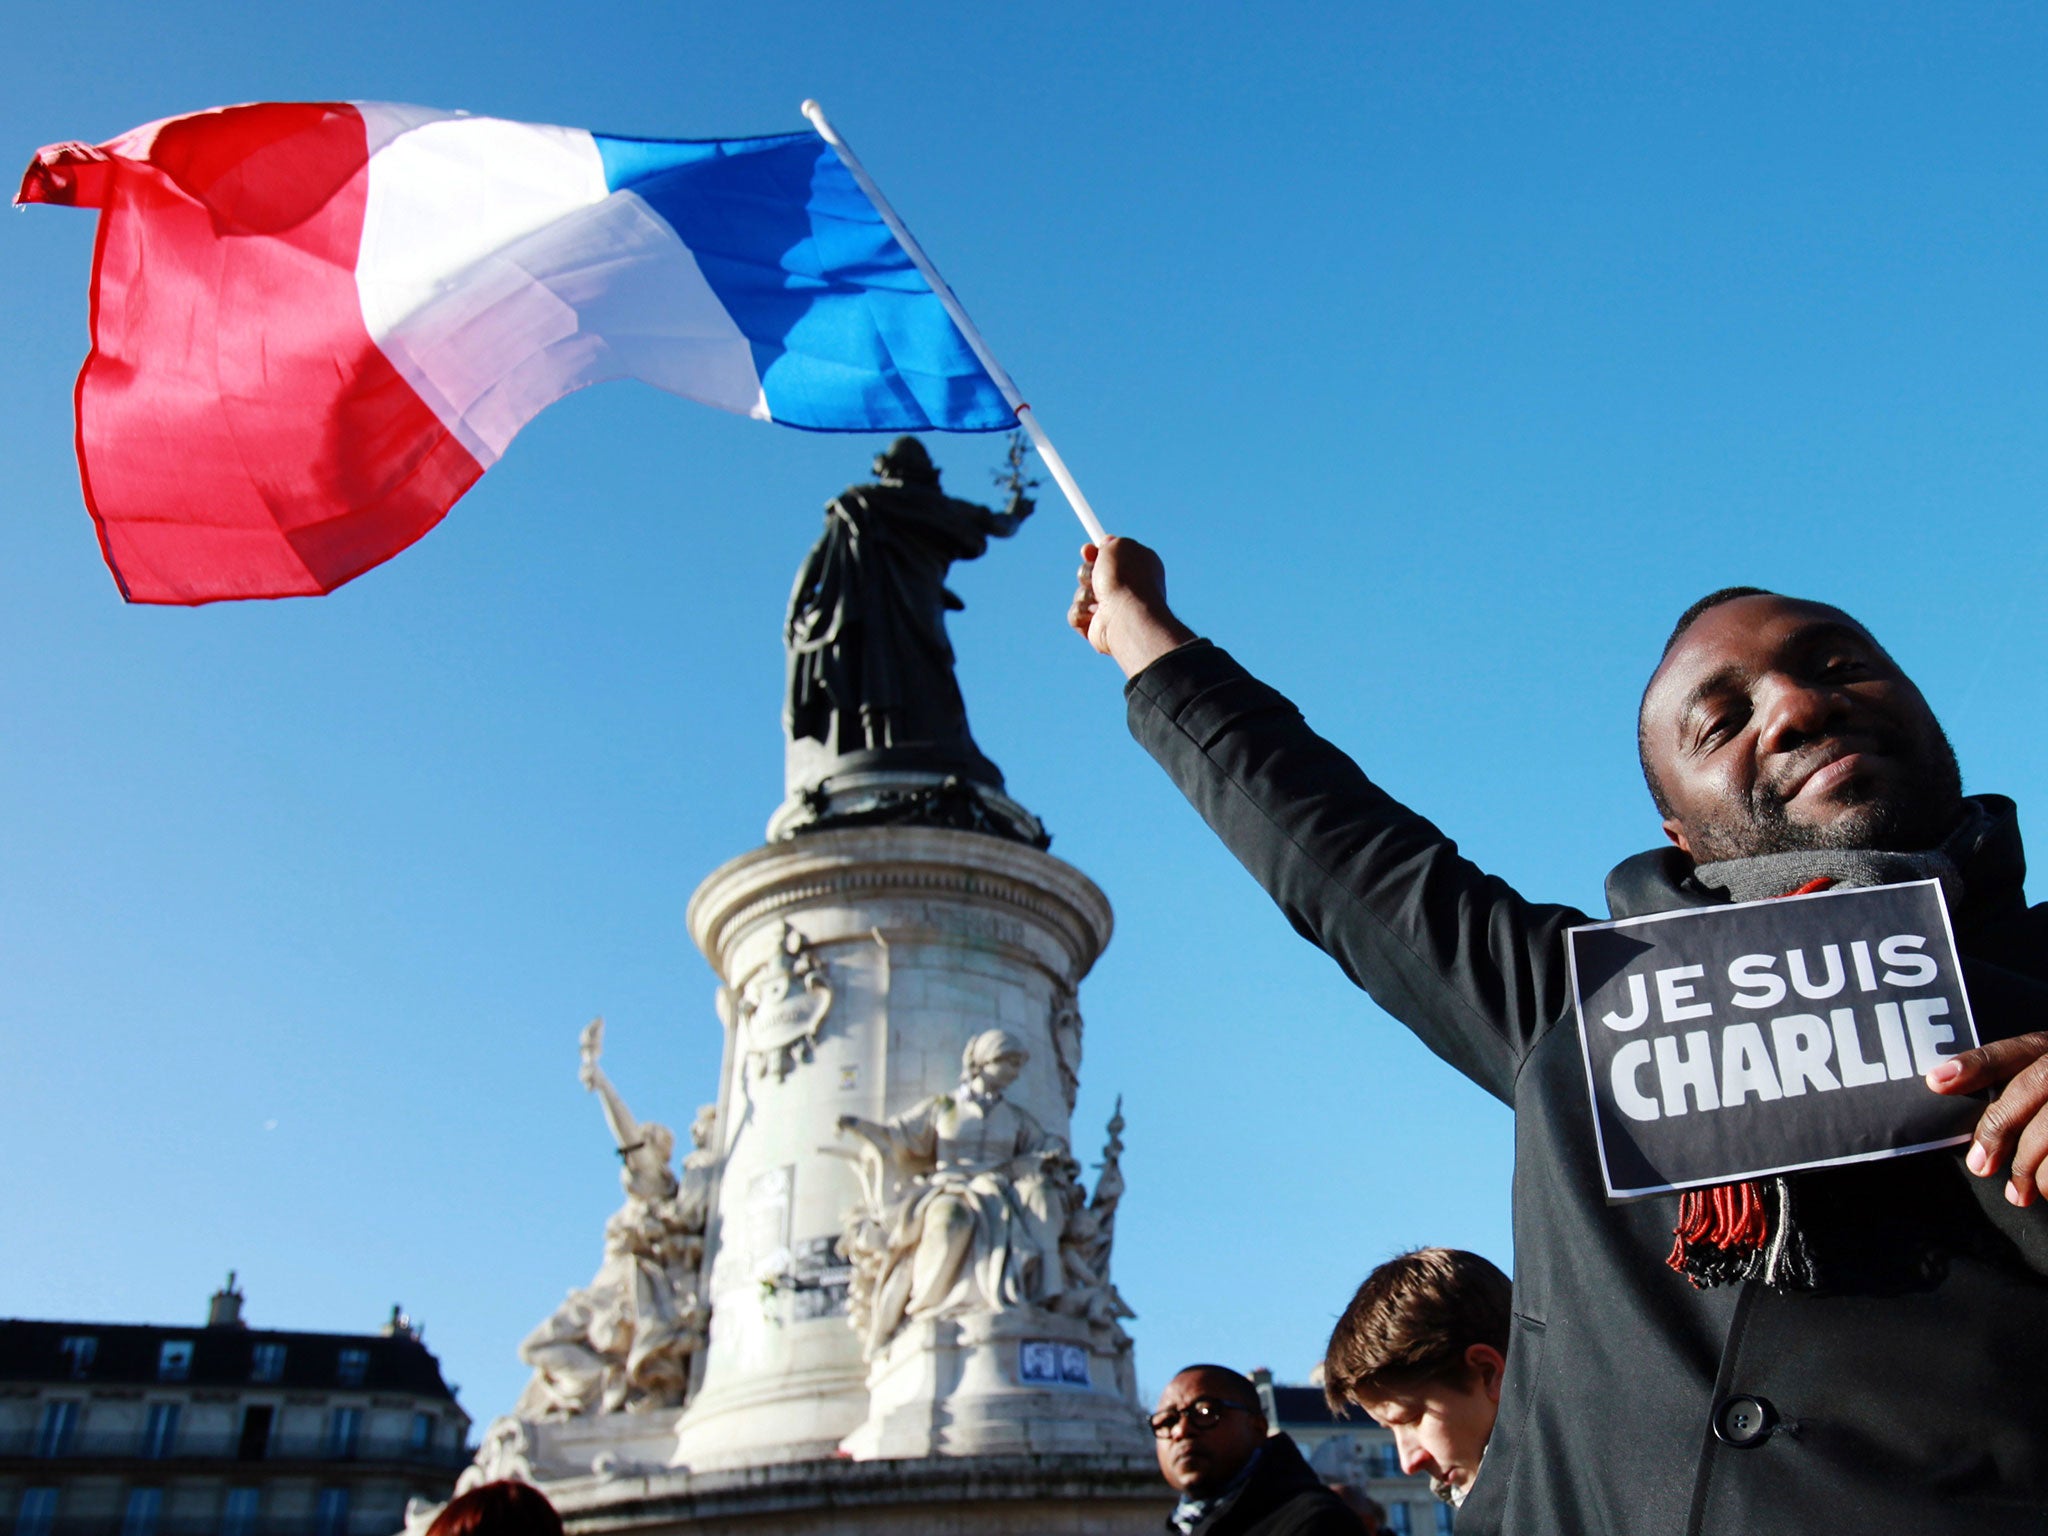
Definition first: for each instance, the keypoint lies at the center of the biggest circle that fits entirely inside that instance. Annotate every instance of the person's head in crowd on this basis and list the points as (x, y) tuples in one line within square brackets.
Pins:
[(1422, 1348), (1206, 1429), (1362, 1504), (498, 1509), (1775, 725)]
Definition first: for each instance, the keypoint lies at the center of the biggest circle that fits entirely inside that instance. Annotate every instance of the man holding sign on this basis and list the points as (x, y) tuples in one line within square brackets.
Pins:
[(1760, 1283)]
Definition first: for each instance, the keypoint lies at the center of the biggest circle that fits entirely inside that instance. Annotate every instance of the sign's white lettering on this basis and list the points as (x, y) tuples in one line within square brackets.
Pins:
[(1673, 992), (1769, 1035), (1756, 971), (1898, 951), (1804, 1051), (1638, 1009)]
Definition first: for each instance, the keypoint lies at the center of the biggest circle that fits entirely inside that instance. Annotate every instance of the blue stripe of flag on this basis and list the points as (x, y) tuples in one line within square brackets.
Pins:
[(846, 333)]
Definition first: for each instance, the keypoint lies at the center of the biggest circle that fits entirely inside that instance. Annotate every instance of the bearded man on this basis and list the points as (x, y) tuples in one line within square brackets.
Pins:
[(1854, 1348)]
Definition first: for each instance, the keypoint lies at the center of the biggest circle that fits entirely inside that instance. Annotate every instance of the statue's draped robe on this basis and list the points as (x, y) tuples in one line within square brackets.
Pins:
[(624, 1340), (870, 667), (991, 1160)]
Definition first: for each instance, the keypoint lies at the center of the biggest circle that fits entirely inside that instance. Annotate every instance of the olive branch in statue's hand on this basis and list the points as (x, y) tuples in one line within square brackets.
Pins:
[(1011, 476)]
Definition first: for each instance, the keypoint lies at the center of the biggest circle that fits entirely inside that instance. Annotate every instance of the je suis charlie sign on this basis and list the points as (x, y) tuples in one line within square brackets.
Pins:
[(1725, 1043)]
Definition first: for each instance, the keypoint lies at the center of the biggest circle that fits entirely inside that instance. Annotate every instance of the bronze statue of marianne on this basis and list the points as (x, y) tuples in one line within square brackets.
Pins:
[(872, 695)]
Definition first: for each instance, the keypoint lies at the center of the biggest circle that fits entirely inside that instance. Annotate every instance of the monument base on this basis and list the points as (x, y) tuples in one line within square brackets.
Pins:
[(1023, 1382), (950, 1496), (591, 1445), (796, 1415), (893, 796)]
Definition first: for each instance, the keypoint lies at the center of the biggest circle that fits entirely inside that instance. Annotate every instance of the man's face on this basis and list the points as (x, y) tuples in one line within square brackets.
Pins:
[(1776, 724), (1441, 1427), (1202, 1460)]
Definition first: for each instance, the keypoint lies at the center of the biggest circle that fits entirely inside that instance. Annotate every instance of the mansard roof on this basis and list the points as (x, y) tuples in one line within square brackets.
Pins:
[(1305, 1407), (130, 1354)]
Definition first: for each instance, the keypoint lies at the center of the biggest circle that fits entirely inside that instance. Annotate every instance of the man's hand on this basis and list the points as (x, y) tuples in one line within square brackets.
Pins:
[(2014, 1125), (1120, 605)]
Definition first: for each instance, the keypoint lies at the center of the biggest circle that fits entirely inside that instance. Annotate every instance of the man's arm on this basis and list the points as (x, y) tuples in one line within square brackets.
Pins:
[(1476, 971)]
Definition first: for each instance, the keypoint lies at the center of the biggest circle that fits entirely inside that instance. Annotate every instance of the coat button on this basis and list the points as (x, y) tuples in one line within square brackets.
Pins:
[(1744, 1421)]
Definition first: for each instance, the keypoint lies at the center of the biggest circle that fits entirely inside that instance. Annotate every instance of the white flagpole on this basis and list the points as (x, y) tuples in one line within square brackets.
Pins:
[(1025, 417)]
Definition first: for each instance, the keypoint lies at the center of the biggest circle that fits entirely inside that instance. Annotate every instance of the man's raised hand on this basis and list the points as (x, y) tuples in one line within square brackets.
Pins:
[(1120, 605)]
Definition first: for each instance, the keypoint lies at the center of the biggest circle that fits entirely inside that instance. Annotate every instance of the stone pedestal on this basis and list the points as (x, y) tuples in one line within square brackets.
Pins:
[(600, 1445), (1013, 1383), (939, 1496), (856, 965)]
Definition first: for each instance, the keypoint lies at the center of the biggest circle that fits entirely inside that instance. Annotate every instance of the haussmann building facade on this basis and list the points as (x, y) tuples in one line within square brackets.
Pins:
[(224, 1430)]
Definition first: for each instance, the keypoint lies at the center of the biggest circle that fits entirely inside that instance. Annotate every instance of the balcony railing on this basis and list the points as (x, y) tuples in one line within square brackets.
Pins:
[(139, 1445)]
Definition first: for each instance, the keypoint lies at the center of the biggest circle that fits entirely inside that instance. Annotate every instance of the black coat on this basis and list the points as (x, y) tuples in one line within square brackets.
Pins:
[(1282, 1497), (1912, 1395)]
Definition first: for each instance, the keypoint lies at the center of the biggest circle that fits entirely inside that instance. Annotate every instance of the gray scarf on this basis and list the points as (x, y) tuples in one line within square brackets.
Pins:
[(1774, 874)]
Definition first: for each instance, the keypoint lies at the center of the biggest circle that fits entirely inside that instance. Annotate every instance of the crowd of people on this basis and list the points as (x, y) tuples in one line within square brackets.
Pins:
[(1421, 1349)]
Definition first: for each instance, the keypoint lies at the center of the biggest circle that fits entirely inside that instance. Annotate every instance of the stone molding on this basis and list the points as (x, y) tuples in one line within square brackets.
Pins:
[(915, 862), (842, 1495)]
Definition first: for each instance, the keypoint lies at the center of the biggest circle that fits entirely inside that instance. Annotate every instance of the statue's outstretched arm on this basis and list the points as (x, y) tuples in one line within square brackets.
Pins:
[(625, 1129), (1006, 522), (908, 1139), (876, 1136)]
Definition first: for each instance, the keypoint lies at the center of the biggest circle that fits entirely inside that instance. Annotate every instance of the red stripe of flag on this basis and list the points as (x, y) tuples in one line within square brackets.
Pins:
[(239, 433)]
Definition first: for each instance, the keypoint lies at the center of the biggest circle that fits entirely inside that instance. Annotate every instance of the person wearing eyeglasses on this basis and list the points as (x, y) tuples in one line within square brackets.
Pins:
[(1234, 1477)]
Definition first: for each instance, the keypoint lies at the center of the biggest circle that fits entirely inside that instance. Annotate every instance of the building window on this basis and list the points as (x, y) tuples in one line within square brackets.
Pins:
[(1444, 1516), (354, 1366), (255, 1441), (422, 1436), (1399, 1522), (160, 1430), (269, 1363), (238, 1512), (174, 1360), (330, 1514), (344, 1429), (36, 1513), (145, 1508), (1389, 1459), (78, 1353), (60, 1424)]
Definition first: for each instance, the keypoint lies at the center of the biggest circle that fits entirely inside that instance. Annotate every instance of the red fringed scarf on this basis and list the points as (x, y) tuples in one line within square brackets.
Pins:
[(1744, 1231)]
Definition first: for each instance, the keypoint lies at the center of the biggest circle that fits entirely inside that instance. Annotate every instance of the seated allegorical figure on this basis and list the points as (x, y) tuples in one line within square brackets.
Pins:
[(986, 1196)]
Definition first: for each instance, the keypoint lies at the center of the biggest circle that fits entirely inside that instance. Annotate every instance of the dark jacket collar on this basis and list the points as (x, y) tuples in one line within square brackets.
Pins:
[(1279, 1474), (1994, 872)]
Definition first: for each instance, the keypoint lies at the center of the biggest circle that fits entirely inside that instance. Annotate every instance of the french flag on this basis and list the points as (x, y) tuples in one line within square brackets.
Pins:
[(314, 325)]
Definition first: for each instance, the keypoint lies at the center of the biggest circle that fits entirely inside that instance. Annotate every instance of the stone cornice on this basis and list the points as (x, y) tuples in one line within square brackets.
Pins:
[(677, 1497), (879, 863)]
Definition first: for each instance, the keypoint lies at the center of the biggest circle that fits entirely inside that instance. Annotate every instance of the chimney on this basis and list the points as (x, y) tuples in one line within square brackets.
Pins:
[(224, 1308), (1262, 1383)]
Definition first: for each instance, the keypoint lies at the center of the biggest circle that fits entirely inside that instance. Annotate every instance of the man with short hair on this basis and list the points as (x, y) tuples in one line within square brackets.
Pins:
[(1422, 1348), (1233, 1477), (1859, 1347)]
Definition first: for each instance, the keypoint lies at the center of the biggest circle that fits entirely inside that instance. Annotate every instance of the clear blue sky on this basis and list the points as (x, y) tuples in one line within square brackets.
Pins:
[(1447, 351)]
